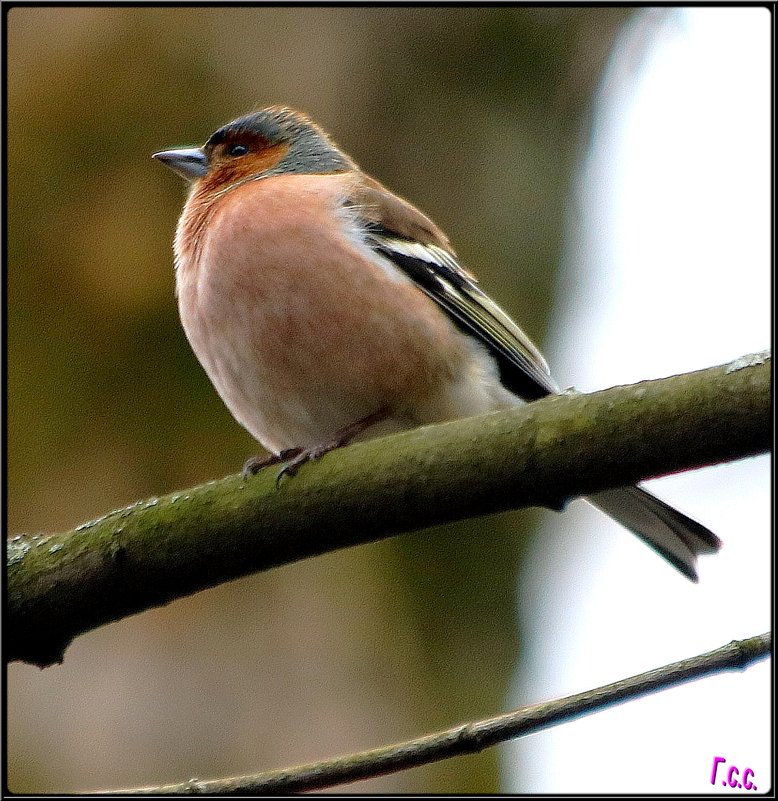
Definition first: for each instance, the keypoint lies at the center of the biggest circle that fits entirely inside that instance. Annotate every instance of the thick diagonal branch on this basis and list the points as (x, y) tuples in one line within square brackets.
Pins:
[(545, 453)]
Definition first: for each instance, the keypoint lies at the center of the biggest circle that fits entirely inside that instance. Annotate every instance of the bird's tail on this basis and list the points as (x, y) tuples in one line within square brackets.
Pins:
[(673, 535)]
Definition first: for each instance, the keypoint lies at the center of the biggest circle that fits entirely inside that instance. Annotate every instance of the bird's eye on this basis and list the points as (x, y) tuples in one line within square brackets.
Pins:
[(237, 150)]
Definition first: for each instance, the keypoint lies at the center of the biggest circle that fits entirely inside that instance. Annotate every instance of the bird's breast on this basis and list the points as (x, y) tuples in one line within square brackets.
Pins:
[(300, 326)]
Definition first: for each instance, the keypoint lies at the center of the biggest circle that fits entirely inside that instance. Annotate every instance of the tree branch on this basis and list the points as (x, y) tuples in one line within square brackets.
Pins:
[(471, 738), (545, 453)]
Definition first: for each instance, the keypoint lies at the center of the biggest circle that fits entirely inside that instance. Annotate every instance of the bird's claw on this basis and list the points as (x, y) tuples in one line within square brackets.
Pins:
[(296, 457), (253, 465), (287, 470), (256, 463), (301, 456)]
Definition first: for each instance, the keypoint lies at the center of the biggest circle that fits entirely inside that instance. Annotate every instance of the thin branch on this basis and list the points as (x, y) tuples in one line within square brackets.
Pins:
[(545, 453), (471, 738)]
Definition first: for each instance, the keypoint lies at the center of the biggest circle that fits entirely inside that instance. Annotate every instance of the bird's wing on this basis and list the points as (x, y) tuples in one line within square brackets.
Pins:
[(402, 234)]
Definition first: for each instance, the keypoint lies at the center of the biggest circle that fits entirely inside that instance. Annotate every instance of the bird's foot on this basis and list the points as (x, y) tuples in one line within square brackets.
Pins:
[(256, 463), (308, 455), (296, 457)]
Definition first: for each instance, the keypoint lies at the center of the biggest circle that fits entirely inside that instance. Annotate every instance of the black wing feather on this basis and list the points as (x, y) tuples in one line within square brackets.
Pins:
[(437, 273)]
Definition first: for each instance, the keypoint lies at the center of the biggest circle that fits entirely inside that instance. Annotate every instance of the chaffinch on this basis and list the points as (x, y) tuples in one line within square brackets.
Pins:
[(324, 307)]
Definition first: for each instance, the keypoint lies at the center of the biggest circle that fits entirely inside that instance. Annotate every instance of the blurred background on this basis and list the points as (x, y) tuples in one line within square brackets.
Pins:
[(482, 118), (666, 269)]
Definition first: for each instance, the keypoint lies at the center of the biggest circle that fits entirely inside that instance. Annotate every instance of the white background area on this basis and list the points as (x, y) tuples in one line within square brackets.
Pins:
[(668, 269)]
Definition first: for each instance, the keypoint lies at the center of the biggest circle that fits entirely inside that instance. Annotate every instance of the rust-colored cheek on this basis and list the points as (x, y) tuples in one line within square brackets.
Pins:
[(233, 170)]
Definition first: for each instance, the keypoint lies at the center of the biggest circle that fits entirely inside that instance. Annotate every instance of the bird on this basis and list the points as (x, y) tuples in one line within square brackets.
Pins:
[(324, 308)]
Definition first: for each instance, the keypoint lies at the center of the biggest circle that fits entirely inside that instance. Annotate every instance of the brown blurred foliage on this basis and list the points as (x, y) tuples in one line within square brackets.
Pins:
[(473, 114)]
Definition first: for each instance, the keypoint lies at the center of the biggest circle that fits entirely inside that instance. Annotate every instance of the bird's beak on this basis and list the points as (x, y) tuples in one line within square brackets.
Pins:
[(189, 163)]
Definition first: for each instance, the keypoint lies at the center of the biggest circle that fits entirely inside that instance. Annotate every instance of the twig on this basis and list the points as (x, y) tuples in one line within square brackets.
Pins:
[(472, 737), (60, 586)]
